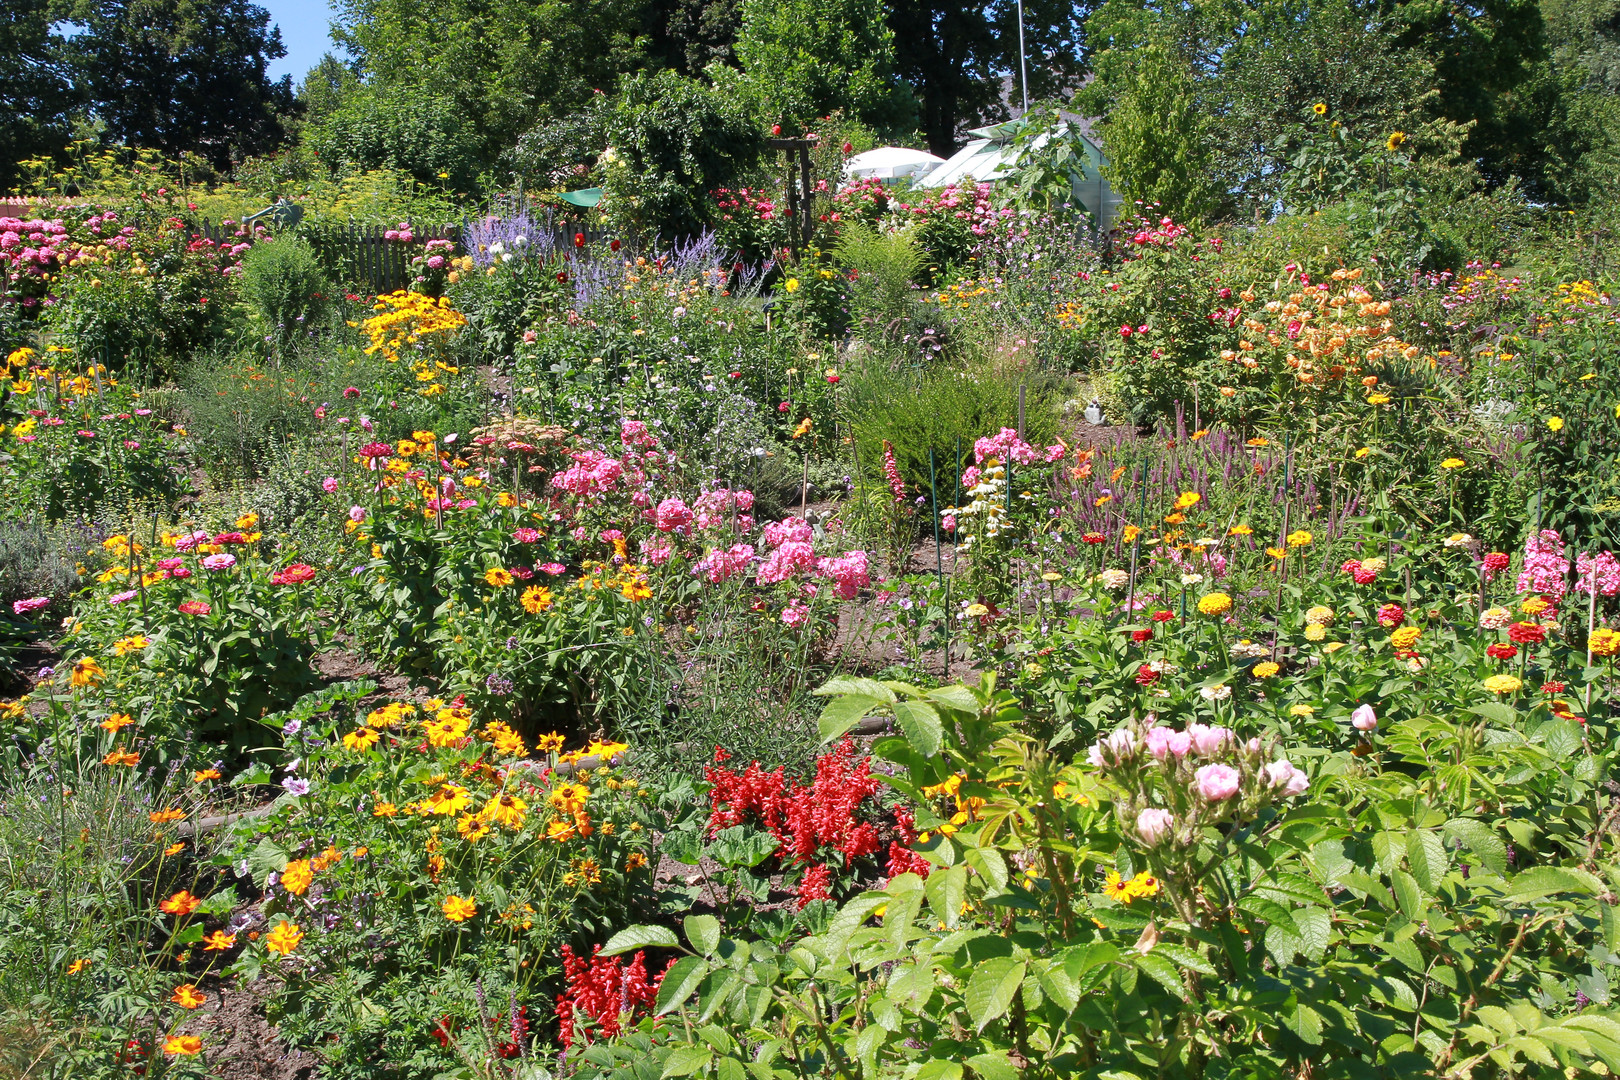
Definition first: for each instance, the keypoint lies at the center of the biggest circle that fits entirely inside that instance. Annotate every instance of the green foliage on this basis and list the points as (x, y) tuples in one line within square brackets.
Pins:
[(954, 59), (463, 79), (392, 127), (884, 268), (33, 63), (1159, 146), (671, 142), (940, 409), (227, 107), (285, 287), (802, 60)]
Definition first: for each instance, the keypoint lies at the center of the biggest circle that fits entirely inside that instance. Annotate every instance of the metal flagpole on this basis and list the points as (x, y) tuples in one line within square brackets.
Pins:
[(1023, 66)]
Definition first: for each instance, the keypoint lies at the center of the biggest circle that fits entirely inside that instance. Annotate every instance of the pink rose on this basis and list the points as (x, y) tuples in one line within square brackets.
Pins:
[(1153, 824), (1364, 719), (1216, 782), (1162, 742), (1208, 741)]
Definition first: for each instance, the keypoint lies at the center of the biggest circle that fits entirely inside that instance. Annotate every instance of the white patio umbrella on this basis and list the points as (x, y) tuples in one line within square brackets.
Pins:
[(890, 163)]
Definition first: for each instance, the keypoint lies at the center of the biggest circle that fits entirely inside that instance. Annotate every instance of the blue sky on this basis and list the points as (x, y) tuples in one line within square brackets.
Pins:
[(304, 31)]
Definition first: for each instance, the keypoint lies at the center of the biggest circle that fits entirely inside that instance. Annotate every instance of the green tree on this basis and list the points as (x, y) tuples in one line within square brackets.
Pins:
[(500, 66), (805, 59), (962, 59), (182, 75), (1158, 141), (689, 35), (36, 95), (399, 127), (325, 88)]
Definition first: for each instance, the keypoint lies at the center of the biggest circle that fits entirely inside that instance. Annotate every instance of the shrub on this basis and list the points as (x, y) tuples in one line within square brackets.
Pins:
[(283, 283)]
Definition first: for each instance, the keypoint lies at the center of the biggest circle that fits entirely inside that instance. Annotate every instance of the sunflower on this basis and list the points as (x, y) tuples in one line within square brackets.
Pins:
[(1320, 108), (1396, 138)]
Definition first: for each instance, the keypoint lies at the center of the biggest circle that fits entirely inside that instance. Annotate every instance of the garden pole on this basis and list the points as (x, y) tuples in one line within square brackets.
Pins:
[(933, 497), (1020, 410), (1591, 622), (1136, 541), (947, 649), (804, 490)]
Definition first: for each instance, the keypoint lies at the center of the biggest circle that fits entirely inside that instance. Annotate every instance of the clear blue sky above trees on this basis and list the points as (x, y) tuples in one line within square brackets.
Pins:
[(304, 30)]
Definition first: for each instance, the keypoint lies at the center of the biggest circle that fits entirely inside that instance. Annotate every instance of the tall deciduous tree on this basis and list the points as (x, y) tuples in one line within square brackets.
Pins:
[(182, 75), (1157, 139), (501, 65), (36, 97), (959, 58)]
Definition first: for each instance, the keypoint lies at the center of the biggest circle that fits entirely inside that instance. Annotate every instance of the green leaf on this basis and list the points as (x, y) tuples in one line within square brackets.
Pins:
[(1427, 855), (1541, 881), (1305, 1022), (842, 713), (1315, 929), (1185, 957), (989, 863), (864, 687), (994, 1066), (921, 726), (946, 889), (1482, 840), (1282, 942), (959, 698), (1408, 896), (640, 937), (1610, 916), (703, 931), (686, 1060), (1161, 969), (679, 982), (990, 991), (939, 1069)]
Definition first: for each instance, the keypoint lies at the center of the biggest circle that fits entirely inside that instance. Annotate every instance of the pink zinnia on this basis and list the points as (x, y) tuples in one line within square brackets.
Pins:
[(194, 607), (526, 535), (221, 561), (119, 598), (552, 568), (23, 607), (296, 574)]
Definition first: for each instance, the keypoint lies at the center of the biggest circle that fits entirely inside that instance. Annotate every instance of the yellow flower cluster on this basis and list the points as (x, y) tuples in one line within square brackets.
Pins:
[(420, 325), (960, 294), (1141, 886)]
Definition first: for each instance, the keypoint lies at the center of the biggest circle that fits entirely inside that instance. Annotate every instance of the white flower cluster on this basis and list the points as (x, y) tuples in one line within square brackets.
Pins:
[(989, 501)]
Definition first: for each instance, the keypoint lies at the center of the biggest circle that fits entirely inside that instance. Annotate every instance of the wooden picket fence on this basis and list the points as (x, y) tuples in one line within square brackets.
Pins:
[(361, 258)]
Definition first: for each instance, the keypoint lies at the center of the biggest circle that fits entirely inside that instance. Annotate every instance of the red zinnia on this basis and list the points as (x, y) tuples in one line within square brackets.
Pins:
[(1141, 635), (1527, 633), (1094, 538), (1163, 616), (377, 450), (1495, 563), (1391, 616), (195, 607), (296, 574), (1145, 675), (1552, 688), (579, 239), (1500, 651)]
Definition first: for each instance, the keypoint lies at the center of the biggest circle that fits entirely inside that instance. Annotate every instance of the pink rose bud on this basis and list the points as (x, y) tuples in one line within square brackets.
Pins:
[(1216, 782), (1153, 824), (1364, 719)]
